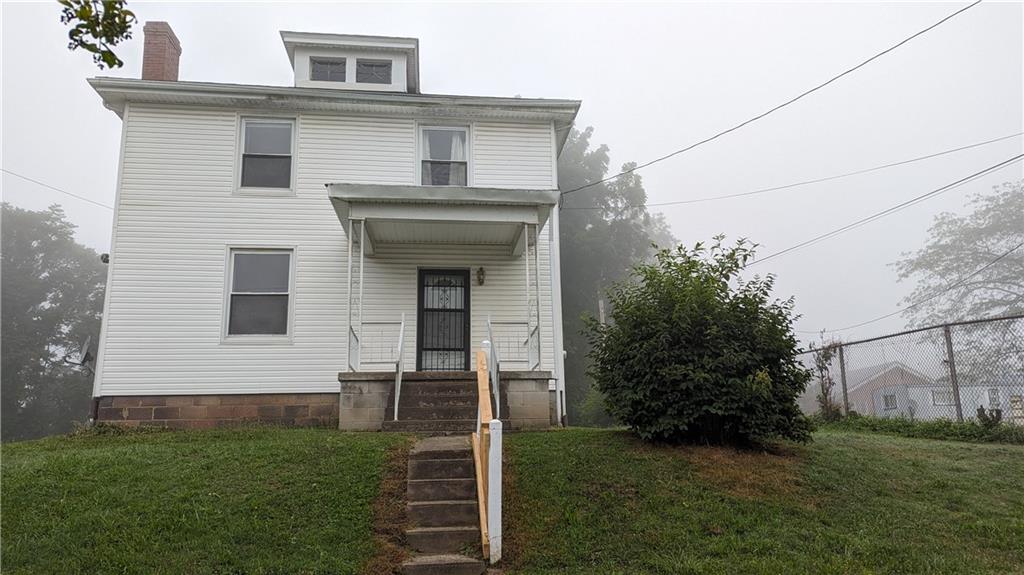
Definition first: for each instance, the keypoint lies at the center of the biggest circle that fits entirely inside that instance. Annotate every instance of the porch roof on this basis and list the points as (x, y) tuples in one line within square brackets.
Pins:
[(400, 214)]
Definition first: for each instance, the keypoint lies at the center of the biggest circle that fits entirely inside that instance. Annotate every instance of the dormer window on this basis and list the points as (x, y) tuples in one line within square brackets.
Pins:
[(327, 69), (443, 156), (373, 71)]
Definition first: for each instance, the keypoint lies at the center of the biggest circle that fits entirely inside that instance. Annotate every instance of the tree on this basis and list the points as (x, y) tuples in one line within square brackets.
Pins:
[(52, 300), (605, 230), (96, 26), (696, 353), (960, 245), (828, 407)]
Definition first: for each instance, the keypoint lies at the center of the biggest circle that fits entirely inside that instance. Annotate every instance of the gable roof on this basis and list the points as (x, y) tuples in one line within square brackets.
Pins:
[(856, 378)]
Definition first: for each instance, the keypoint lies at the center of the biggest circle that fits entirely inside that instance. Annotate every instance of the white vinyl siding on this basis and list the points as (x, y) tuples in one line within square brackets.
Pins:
[(509, 155), (391, 290), (178, 215)]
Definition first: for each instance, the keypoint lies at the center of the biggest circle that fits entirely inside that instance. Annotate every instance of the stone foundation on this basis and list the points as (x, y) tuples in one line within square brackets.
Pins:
[(205, 411)]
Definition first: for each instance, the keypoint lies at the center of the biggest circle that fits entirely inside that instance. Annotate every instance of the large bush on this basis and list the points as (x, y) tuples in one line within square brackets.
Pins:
[(694, 353)]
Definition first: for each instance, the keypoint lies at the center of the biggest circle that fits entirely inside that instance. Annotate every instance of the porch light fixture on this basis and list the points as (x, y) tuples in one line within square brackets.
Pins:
[(480, 276)]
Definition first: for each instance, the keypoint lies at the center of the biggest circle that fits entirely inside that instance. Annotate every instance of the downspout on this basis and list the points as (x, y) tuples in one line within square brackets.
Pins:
[(555, 266)]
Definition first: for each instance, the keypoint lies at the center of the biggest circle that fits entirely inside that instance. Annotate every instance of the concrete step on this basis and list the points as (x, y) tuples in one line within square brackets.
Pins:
[(440, 489), (438, 412), (436, 400), (449, 513), (443, 539), (441, 469), (437, 426), (443, 565), (439, 387), (454, 447)]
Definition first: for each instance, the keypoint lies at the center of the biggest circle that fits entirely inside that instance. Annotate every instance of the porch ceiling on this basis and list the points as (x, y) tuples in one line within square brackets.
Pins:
[(441, 215), (465, 233)]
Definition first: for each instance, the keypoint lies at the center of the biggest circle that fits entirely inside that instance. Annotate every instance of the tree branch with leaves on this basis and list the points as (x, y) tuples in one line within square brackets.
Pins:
[(97, 26)]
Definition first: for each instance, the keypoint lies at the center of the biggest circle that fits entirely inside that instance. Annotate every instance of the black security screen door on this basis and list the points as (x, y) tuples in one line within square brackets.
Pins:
[(443, 342)]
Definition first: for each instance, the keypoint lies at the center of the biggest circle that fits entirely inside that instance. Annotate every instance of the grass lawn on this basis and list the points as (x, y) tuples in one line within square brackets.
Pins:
[(232, 501), (597, 501)]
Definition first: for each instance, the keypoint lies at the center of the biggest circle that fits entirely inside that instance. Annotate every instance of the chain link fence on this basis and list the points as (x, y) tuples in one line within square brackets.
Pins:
[(959, 371)]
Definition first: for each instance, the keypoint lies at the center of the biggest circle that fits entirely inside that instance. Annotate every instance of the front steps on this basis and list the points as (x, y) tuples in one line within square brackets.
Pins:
[(442, 508), (436, 403)]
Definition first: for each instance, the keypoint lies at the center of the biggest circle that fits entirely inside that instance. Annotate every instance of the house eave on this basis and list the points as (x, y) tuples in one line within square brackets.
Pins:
[(116, 92)]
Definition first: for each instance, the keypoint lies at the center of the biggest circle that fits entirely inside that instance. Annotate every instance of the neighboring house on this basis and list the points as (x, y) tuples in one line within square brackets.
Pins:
[(894, 389), (270, 241)]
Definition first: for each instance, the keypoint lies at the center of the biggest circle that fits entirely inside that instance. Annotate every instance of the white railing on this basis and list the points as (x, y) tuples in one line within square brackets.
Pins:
[(399, 365), (515, 342), (487, 459), (377, 343), (353, 349), (495, 368)]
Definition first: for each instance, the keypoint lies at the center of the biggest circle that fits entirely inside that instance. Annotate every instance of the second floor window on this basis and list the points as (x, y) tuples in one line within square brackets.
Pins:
[(444, 156), (373, 71), (266, 153), (327, 69)]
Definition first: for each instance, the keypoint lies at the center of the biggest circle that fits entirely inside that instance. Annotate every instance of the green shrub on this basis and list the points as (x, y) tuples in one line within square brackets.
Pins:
[(973, 431), (694, 353)]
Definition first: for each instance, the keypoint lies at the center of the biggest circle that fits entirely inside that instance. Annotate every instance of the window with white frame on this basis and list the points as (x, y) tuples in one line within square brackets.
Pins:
[(260, 290), (993, 398), (373, 71), (942, 397), (327, 69), (889, 401), (444, 156), (266, 153)]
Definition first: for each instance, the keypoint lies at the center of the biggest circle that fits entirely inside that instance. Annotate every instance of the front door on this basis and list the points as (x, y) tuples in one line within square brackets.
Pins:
[(442, 342)]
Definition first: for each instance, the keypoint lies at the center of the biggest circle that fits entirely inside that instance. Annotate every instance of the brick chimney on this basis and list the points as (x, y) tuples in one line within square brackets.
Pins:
[(161, 52)]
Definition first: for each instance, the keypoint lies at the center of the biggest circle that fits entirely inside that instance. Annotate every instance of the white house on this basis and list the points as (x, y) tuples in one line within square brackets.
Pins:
[(279, 252)]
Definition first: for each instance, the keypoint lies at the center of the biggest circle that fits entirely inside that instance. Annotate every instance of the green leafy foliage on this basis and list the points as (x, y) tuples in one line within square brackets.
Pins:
[(828, 407), (606, 229), (96, 26), (52, 300), (958, 245), (694, 353), (989, 431)]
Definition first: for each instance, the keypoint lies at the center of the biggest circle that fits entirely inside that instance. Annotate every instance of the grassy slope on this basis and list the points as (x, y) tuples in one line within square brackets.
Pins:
[(252, 501), (595, 501)]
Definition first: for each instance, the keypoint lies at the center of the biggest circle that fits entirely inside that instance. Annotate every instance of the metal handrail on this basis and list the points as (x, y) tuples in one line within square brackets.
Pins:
[(494, 369), (353, 350), (399, 364)]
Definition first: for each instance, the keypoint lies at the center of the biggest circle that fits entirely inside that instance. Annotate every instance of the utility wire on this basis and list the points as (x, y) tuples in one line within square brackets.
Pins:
[(891, 210), (778, 107), (28, 179), (947, 289), (808, 182)]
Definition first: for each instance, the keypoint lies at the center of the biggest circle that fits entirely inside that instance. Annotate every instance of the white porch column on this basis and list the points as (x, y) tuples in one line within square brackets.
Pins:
[(555, 262)]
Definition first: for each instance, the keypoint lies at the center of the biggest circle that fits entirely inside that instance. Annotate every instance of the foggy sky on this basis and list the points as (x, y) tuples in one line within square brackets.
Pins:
[(653, 78)]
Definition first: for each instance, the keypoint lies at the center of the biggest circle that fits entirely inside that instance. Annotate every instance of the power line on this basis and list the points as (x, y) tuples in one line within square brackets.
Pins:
[(808, 182), (778, 107), (891, 210), (28, 179), (947, 289)]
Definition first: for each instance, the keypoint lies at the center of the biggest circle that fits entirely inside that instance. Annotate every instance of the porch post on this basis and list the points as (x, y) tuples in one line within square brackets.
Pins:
[(362, 250), (526, 266), (536, 268), (348, 292), (555, 262)]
